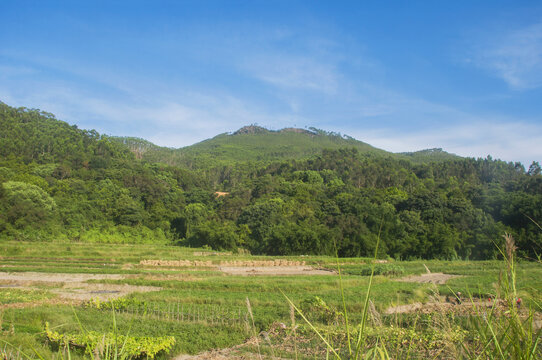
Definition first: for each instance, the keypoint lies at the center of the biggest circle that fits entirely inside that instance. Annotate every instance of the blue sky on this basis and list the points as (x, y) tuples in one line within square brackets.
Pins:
[(400, 75)]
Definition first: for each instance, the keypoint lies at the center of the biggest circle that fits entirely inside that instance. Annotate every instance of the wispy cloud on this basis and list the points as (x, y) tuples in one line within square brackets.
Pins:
[(277, 79), (509, 141), (295, 72), (179, 117), (7, 71), (516, 57), (170, 119), (58, 67)]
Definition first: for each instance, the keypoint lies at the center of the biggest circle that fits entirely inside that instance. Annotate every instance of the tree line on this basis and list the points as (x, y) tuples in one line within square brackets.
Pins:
[(61, 182)]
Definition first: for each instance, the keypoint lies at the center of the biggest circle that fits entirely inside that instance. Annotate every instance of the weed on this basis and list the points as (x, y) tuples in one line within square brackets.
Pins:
[(505, 330), (459, 332)]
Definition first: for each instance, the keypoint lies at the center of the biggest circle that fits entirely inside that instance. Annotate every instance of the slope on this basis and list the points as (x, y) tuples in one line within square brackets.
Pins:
[(248, 144), (257, 144)]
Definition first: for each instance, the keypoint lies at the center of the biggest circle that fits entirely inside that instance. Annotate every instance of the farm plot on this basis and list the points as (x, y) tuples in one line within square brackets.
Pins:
[(71, 286), (240, 267), (432, 278), (212, 314), (274, 270)]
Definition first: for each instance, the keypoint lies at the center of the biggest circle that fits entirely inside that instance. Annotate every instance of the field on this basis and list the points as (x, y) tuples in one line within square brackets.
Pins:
[(58, 299)]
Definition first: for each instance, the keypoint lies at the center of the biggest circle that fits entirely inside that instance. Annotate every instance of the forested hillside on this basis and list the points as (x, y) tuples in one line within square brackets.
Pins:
[(249, 144), (256, 144), (314, 196)]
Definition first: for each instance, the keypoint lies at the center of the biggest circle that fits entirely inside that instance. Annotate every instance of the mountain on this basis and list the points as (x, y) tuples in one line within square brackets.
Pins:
[(435, 154), (255, 143), (290, 191), (250, 143)]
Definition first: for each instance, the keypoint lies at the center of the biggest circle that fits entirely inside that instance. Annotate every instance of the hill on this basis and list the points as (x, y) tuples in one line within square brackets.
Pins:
[(248, 144), (436, 154), (257, 144), (292, 191)]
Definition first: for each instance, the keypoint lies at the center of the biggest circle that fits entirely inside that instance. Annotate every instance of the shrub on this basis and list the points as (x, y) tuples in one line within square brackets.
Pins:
[(104, 344)]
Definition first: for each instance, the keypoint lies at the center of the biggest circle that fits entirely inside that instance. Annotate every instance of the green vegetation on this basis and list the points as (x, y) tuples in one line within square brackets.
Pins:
[(250, 144), (430, 155), (202, 309), (12, 295), (98, 344), (76, 202), (501, 330), (288, 192)]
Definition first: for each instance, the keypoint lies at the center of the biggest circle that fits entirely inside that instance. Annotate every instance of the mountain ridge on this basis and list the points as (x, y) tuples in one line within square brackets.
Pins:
[(257, 143), (61, 182)]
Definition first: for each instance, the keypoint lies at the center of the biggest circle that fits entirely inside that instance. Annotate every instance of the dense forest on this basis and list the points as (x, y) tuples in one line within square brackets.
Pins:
[(319, 193)]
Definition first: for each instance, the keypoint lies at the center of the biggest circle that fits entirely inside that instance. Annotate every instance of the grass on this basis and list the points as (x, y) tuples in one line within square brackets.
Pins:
[(400, 335), (500, 331), (13, 295)]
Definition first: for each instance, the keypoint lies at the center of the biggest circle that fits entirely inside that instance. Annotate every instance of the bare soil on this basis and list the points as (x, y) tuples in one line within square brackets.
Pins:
[(403, 309), (245, 267), (248, 350), (232, 353), (228, 263), (433, 278), (85, 291), (70, 287), (445, 305), (55, 277), (274, 270), (226, 354)]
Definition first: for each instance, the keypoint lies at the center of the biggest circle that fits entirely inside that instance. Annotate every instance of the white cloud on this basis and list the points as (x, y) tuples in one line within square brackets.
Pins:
[(294, 72), (62, 67), (174, 120), (509, 141), (516, 57), (14, 71), (184, 118), (307, 89)]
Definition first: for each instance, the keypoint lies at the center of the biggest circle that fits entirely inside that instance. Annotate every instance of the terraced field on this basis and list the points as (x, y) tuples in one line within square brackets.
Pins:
[(200, 304)]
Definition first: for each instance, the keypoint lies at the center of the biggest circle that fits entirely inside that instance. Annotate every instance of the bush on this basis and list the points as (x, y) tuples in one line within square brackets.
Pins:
[(126, 347), (320, 311), (379, 269)]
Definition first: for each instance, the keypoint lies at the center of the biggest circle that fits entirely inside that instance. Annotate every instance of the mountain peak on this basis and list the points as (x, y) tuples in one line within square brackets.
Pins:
[(256, 129), (251, 129), (298, 130)]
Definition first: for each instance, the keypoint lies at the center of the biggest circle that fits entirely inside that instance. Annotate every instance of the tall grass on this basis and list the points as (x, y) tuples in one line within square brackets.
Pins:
[(499, 332), (505, 330), (355, 345), (509, 332)]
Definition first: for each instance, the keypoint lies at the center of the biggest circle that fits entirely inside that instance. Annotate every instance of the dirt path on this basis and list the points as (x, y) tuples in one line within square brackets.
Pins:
[(402, 309), (237, 352), (56, 277), (274, 270), (225, 354), (84, 291), (245, 267), (433, 278), (466, 307), (221, 354)]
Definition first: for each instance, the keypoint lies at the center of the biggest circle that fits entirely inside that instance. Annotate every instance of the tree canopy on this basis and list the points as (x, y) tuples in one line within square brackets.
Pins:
[(58, 181)]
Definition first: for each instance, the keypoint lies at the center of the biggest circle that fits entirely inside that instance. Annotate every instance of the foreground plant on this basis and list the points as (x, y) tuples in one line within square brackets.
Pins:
[(355, 338), (504, 330), (509, 332), (111, 345)]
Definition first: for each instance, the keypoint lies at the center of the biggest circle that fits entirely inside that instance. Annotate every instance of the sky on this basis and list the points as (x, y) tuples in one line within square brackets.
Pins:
[(465, 76)]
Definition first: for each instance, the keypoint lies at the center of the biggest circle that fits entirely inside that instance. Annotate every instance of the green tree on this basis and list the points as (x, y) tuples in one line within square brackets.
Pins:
[(194, 215), (27, 204)]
